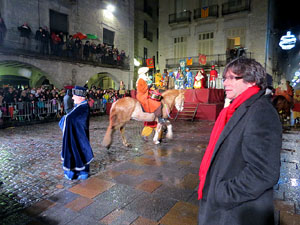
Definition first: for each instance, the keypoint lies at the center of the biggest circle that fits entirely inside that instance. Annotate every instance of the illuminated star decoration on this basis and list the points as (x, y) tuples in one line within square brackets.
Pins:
[(287, 41)]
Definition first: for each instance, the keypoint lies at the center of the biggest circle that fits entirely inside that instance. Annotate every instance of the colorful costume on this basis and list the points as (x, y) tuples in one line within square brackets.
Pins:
[(171, 80), (158, 78), (148, 129), (212, 77), (189, 79), (76, 149), (179, 83), (165, 80), (148, 104), (198, 80), (285, 90)]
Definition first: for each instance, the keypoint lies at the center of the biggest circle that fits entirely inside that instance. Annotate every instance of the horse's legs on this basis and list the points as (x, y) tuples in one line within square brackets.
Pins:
[(124, 140), (157, 134), (169, 134)]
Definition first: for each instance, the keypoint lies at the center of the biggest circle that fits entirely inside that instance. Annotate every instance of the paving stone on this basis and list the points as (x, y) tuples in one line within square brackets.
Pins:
[(144, 221), (128, 180), (57, 214), (64, 197), (92, 187), (31, 170), (126, 218), (39, 207), (98, 210), (110, 218), (148, 185), (79, 203), (155, 208), (119, 195), (172, 193), (182, 213), (84, 220)]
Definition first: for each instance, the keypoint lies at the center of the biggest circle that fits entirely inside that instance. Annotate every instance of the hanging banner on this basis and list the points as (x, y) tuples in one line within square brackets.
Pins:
[(189, 61), (150, 63), (202, 59), (204, 12)]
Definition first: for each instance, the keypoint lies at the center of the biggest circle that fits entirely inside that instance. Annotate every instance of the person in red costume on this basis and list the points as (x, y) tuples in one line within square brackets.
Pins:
[(212, 78), (285, 90), (149, 105)]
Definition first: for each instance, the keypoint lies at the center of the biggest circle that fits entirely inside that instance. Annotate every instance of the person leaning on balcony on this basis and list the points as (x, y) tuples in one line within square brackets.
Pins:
[(2, 30), (38, 37), (25, 33), (241, 163)]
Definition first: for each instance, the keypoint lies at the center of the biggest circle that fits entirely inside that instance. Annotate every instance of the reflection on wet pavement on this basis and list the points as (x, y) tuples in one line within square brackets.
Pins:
[(128, 182)]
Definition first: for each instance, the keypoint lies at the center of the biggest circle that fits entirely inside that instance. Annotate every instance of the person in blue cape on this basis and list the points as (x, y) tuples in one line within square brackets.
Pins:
[(76, 149)]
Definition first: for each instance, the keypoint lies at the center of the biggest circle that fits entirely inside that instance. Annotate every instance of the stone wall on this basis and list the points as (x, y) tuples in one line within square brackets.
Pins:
[(83, 16), (253, 21)]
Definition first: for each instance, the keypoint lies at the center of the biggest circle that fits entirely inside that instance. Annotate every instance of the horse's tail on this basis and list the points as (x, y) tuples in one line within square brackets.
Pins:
[(110, 129)]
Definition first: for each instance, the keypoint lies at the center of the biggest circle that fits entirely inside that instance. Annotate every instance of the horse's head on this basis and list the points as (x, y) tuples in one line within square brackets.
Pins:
[(179, 101)]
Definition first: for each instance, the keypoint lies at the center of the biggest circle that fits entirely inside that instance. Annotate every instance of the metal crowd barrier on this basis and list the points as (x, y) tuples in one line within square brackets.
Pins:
[(28, 111), (98, 107), (15, 113)]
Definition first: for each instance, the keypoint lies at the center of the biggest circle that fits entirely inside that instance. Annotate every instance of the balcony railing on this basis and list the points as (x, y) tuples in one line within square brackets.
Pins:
[(184, 16), (219, 60), (15, 48), (210, 11), (148, 10), (234, 6), (148, 36)]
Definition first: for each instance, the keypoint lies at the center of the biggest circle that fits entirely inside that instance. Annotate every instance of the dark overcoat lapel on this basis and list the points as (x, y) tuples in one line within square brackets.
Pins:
[(240, 112)]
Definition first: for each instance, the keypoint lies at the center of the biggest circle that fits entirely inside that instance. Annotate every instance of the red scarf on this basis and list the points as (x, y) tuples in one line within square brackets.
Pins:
[(223, 118)]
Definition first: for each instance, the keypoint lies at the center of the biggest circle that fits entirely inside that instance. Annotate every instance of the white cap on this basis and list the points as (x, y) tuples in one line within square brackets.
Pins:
[(143, 70)]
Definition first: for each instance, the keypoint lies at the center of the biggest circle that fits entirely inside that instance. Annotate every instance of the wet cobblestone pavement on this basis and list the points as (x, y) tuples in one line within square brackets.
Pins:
[(146, 184)]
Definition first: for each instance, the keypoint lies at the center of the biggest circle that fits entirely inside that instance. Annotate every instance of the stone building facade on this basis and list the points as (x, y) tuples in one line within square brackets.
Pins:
[(146, 33), (72, 16), (213, 28)]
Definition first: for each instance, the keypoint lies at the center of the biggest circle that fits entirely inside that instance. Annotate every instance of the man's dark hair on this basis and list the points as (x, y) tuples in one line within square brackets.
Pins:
[(249, 69)]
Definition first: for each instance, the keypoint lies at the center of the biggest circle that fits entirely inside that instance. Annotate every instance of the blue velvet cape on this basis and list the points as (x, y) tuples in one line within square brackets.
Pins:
[(76, 149)]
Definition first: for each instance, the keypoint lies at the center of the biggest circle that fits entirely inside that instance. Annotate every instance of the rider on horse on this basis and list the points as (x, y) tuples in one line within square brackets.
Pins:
[(150, 100), (285, 90)]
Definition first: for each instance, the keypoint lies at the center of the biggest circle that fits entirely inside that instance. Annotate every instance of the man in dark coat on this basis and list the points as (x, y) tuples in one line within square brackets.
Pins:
[(76, 149), (242, 161), (68, 101)]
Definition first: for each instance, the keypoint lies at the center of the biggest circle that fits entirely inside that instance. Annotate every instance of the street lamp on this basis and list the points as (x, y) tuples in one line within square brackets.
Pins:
[(110, 8), (136, 62)]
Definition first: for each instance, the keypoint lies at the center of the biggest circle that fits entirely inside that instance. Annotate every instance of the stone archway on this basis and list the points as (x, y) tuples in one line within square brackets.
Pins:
[(103, 80), (21, 71)]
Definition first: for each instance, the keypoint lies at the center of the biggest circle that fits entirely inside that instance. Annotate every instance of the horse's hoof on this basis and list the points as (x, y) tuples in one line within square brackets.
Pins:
[(128, 145), (156, 142), (168, 136)]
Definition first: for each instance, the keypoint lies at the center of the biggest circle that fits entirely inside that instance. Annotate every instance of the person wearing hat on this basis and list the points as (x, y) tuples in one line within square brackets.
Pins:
[(149, 105), (189, 79), (212, 77), (76, 149)]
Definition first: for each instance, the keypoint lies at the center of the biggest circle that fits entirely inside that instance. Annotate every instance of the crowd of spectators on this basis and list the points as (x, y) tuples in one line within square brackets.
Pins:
[(60, 44), (73, 46), (47, 96)]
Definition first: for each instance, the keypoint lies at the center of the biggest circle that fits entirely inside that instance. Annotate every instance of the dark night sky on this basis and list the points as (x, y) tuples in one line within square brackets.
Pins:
[(288, 15)]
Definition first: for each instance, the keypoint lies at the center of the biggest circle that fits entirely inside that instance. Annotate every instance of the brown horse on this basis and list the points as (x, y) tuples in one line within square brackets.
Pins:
[(129, 108)]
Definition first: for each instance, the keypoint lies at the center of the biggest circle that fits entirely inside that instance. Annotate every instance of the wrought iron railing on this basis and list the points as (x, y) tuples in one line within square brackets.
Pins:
[(15, 48), (148, 36), (184, 16), (210, 11), (234, 6), (218, 60)]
